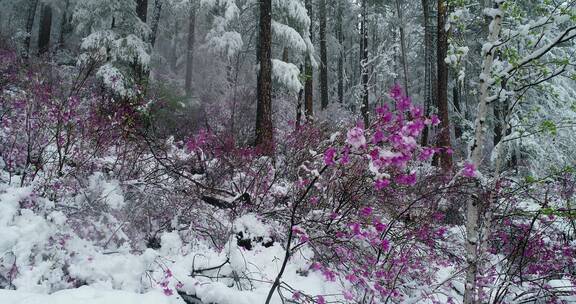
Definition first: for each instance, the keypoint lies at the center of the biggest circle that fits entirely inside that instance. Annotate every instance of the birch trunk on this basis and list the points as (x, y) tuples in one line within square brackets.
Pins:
[(472, 207), (364, 66)]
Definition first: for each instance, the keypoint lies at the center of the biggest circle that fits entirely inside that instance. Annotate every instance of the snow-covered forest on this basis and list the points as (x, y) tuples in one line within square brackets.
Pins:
[(287, 151)]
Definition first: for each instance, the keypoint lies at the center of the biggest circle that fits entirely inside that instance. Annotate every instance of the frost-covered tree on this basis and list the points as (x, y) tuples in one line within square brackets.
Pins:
[(116, 40)]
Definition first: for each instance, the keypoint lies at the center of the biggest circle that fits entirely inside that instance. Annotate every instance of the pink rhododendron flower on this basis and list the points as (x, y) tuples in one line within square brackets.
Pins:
[(355, 227), (396, 140), (438, 216), (378, 136), (375, 154), (345, 156), (168, 291), (396, 92), (348, 295), (297, 230), (380, 227), (416, 111), (400, 160), (315, 266), (403, 103), (426, 153), (329, 156), (406, 179), (329, 275), (314, 200), (366, 211), (381, 184), (382, 110), (385, 245), (414, 128), (387, 117), (352, 278), (469, 170), (197, 141), (441, 231), (296, 295), (355, 137), (321, 300)]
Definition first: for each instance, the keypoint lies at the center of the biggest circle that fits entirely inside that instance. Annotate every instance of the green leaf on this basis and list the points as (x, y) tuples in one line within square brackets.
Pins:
[(573, 106), (547, 211), (529, 179), (549, 126)]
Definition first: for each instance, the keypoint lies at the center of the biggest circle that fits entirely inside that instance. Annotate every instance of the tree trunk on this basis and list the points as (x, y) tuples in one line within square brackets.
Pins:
[(442, 87), (309, 75), (375, 36), (142, 9), (403, 46), (340, 35), (364, 67), (299, 108), (264, 131), (501, 129), (323, 57), (427, 67), (173, 55), (308, 91), (457, 106), (65, 26), (45, 29), (285, 54), (30, 24), (142, 71), (472, 208), (155, 21), (190, 51)]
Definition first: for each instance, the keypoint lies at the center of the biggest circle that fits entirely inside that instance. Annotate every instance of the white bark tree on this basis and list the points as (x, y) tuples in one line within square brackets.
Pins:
[(472, 206)]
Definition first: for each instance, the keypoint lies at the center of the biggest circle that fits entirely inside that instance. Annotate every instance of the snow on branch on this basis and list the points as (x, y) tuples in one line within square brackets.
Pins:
[(287, 74)]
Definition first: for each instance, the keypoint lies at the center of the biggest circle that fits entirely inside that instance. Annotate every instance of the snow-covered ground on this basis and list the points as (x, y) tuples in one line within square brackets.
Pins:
[(87, 295), (43, 258)]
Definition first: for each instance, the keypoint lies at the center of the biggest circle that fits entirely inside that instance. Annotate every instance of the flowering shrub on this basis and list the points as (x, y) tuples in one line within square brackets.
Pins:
[(340, 214), (344, 206)]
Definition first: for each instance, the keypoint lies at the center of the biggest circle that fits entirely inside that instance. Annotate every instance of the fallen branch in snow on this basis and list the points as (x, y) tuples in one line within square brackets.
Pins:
[(189, 299), (225, 202), (217, 202), (194, 271)]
